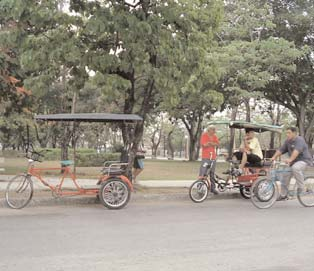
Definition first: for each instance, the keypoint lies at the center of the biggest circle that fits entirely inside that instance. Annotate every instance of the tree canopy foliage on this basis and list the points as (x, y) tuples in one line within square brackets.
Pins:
[(189, 58)]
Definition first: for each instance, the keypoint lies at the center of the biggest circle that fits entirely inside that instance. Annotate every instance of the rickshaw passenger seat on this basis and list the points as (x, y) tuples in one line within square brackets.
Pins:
[(113, 171), (264, 163)]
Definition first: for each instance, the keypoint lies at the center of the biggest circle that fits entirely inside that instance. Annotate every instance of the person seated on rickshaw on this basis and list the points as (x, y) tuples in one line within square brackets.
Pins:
[(250, 151)]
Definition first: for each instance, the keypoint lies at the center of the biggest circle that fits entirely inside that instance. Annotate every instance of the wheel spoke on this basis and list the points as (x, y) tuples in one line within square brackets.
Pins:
[(198, 191), (115, 194)]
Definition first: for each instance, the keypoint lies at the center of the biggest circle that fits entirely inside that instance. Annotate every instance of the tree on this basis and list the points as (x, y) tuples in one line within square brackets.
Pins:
[(192, 108), (138, 46), (49, 55), (294, 90)]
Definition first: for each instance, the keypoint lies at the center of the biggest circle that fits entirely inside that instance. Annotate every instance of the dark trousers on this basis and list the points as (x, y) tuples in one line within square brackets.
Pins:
[(251, 158), (211, 166)]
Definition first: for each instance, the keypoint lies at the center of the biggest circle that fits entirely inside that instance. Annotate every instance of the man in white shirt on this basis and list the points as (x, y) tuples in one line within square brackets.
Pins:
[(250, 150)]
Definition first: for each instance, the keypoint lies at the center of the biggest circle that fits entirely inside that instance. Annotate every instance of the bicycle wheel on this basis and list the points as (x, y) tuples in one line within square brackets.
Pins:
[(306, 198), (114, 194), (198, 191), (245, 192), (19, 191), (264, 193)]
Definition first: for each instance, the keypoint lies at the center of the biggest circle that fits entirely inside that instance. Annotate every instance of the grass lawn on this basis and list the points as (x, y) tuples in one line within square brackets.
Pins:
[(154, 169)]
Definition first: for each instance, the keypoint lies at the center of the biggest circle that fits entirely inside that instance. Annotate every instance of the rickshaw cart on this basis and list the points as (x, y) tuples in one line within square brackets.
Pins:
[(251, 171), (113, 186), (233, 180)]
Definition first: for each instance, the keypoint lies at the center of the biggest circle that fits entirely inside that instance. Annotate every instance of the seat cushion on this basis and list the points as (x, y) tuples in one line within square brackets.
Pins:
[(66, 163)]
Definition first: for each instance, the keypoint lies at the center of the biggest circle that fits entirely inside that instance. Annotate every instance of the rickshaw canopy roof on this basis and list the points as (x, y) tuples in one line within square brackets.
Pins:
[(257, 127), (90, 117)]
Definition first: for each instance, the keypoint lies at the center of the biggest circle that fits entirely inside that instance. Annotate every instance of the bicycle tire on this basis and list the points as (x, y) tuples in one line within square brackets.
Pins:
[(264, 193), (245, 192), (18, 185), (303, 197), (201, 189), (110, 196)]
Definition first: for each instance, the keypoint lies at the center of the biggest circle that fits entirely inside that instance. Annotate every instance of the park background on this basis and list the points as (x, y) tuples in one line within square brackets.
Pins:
[(177, 64)]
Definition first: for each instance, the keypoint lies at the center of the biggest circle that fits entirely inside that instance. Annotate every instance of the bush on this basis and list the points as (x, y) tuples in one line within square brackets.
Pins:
[(95, 160), (55, 154), (12, 153)]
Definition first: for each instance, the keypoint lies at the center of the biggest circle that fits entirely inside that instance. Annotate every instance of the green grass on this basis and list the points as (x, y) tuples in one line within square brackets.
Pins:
[(153, 170)]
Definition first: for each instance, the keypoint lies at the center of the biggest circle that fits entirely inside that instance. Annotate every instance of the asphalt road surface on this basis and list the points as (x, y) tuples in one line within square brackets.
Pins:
[(179, 235)]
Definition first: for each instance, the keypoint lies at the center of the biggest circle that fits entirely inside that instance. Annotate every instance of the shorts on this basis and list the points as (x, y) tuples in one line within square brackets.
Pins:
[(138, 163)]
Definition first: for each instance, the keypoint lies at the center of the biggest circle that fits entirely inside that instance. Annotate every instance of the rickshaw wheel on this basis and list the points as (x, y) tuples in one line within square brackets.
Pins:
[(306, 198), (245, 192), (198, 191), (19, 191), (114, 193), (264, 193)]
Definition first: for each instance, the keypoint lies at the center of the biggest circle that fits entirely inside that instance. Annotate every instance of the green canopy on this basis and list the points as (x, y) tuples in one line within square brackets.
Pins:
[(257, 127)]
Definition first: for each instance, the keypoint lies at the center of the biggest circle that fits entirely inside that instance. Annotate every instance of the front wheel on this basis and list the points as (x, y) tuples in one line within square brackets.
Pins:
[(264, 193), (19, 191), (198, 191), (306, 198), (114, 194), (245, 192)]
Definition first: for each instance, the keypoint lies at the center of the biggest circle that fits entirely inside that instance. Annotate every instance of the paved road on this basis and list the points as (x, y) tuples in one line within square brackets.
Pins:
[(179, 235)]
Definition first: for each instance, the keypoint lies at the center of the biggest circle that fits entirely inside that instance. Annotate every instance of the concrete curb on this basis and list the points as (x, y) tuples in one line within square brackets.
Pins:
[(135, 197)]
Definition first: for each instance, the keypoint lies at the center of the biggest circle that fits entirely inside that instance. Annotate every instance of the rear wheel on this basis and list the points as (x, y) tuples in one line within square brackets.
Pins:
[(245, 191), (19, 191), (264, 193), (306, 198), (198, 191), (114, 194)]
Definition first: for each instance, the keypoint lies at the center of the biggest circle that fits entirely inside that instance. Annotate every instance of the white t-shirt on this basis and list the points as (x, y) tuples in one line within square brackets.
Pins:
[(255, 147)]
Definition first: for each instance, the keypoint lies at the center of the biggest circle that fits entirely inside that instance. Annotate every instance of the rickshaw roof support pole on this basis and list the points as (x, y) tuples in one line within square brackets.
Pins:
[(74, 146)]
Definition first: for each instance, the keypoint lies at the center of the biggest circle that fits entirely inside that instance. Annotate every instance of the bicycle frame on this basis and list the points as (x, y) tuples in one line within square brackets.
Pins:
[(68, 174)]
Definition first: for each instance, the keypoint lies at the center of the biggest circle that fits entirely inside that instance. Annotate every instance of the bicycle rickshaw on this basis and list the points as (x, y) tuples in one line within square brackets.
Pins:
[(113, 188), (268, 189), (199, 190)]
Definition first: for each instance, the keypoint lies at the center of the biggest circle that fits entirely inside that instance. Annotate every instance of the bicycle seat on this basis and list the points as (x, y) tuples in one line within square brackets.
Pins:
[(66, 163)]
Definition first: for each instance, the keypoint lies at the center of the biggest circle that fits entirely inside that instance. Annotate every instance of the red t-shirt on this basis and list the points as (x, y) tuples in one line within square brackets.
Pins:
[(206, 151)]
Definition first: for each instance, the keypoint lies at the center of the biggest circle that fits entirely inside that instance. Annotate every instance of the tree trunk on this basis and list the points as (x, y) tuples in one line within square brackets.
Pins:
[(155, 143), (132, 137), (69, 135), (232, 131), (275, 116), (192, 148), (170, 148), (247, 109), (194, 128)]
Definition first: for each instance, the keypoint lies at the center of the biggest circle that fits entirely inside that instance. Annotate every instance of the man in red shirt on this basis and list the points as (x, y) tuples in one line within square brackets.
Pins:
[(209, 143)]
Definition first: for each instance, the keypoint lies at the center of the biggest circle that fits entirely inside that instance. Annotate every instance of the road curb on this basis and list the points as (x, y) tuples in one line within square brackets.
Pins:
[(136, 197)]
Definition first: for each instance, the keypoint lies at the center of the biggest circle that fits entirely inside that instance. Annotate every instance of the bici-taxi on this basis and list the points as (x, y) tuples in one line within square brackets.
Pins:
[(200, 189), (113, 187)]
